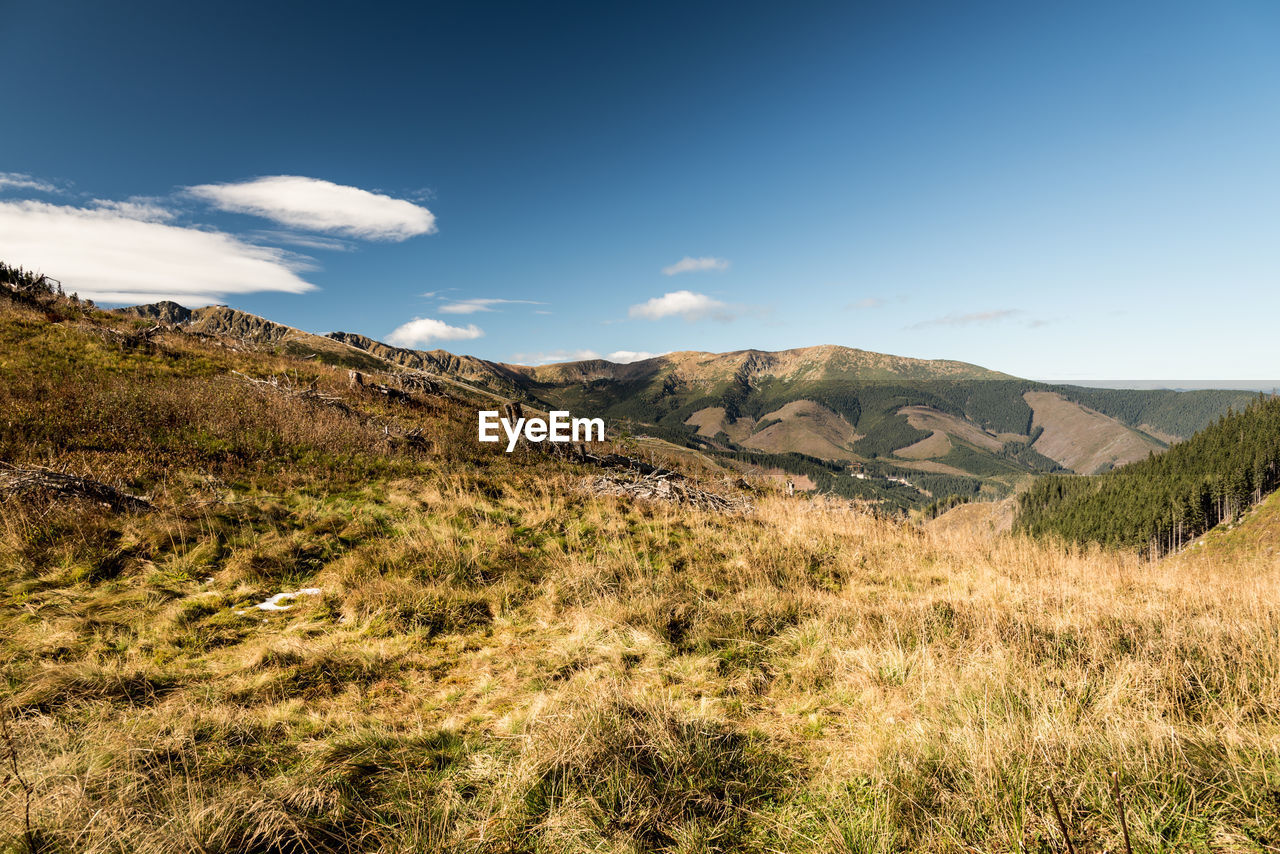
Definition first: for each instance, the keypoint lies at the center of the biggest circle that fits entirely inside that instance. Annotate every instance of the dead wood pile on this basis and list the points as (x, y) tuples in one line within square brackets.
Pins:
[(409, 381), (580, 454), (291, 387), (16, 480), (133, 339), (675, 490), (287, 386)]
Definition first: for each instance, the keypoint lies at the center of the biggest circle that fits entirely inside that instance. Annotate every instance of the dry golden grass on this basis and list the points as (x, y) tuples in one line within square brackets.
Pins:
[(544, 671), (499, 661)]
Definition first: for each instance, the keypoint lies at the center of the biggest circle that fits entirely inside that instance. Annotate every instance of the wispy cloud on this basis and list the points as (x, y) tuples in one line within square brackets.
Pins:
[(551, 357), (423, 330), (106, 255), (316, 205), (471, 306), (144, 208), (626, 357), (696, 265), (686, 304), (22, 181), (977, 318), (306, 241)]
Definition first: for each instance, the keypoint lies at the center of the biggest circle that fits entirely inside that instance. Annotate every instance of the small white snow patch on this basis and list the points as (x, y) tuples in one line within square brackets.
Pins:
[(274, 603)]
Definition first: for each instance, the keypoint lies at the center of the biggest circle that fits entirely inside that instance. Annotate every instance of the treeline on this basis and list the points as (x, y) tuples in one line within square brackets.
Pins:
[(983, 464), (834, 478), (936, 508), (28, 285), (1165, 501), (1022, 452), (936, 485), (23, 279), (830, 477)]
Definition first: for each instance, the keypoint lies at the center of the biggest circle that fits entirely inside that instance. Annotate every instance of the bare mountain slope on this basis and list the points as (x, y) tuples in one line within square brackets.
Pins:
[(924, 418), (1082, 439), (808, 428)]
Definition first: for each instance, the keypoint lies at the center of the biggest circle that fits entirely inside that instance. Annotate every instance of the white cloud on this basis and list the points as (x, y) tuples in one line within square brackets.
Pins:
[(423, 330), (548, 357), (137, 207), (19, 181), (316, 205), (696, 265), (626, 357), (471, 306), (109, 257), (552, 356), (685, 304)]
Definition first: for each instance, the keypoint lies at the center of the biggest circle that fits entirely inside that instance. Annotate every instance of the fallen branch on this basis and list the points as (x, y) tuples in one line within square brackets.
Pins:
[(579, 454), (15, 480), (293, 388), (133, 339)]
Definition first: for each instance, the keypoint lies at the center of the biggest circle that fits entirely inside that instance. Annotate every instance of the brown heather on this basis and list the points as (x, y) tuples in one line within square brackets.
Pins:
[(501, 662)]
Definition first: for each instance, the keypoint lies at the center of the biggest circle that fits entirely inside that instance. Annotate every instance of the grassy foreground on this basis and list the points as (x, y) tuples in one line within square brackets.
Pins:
[(499, 661)]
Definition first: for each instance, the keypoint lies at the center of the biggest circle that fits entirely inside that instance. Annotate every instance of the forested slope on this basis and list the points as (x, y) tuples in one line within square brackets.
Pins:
[(1165, 501)]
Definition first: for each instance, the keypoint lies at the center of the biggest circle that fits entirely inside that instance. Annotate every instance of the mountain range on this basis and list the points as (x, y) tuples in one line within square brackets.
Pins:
[(893, 429)]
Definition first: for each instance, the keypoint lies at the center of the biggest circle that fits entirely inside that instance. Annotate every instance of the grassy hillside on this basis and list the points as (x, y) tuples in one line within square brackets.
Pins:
[(497, 659), (1256, 534)]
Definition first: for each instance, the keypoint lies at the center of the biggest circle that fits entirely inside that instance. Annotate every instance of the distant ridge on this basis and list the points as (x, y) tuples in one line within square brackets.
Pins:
[(895, 429), (229, 323), (216, 320), (1176, 385)]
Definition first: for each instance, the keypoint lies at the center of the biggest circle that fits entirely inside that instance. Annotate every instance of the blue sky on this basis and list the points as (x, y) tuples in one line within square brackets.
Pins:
[(1062, 191)]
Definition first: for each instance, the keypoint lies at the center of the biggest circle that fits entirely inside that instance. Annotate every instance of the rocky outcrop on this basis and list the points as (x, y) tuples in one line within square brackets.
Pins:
[(215, 320), (167, 312)]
